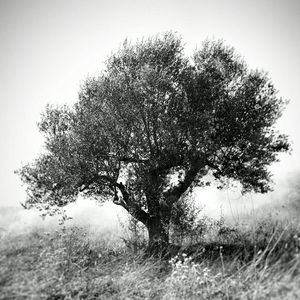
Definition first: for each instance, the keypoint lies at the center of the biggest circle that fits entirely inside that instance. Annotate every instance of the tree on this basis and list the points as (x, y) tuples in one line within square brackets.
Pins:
[(146, 131)]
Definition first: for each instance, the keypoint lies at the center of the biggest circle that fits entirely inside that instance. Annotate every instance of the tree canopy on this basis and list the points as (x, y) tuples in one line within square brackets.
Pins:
[(152, 115)]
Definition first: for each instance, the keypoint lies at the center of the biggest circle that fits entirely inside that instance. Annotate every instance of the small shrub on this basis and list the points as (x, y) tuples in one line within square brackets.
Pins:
[(134, 234), (187, 226)]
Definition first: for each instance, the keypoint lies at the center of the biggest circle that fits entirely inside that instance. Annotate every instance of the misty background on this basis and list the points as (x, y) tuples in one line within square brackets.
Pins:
[(48, 48)]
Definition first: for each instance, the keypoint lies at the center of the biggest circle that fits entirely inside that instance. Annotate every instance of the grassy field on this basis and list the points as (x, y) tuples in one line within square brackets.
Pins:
[(261, 261)]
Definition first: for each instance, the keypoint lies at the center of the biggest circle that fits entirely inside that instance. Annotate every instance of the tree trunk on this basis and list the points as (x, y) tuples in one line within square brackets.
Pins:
[(158, 236)]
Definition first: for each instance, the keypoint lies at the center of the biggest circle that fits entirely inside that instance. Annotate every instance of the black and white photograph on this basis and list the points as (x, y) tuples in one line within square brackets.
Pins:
[(149, 149)]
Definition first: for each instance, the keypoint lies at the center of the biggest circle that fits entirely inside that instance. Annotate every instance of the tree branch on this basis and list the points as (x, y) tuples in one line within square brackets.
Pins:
[(126, 202), (132, 207), (174, 194)]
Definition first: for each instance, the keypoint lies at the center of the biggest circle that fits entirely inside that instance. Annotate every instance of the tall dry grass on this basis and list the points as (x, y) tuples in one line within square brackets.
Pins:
[(258, 260)]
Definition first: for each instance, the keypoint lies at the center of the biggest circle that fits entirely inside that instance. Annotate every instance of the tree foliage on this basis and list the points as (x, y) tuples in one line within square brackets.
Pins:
[(151, 126)]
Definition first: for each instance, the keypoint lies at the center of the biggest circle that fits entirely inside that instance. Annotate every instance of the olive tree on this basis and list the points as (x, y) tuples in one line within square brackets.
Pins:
[(152, 125)]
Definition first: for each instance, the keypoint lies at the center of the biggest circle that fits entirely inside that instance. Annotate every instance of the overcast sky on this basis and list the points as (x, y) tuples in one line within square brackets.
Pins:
[(49, 47)]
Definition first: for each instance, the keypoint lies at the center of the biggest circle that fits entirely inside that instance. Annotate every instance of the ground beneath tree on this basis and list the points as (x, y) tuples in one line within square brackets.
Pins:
[(73, 264)]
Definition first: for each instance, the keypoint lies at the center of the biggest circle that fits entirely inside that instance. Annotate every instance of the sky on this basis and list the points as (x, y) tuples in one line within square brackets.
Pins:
[(48, 48)]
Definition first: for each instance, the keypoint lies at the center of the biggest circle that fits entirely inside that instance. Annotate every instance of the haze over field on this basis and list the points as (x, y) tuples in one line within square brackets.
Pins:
[(49, 48)]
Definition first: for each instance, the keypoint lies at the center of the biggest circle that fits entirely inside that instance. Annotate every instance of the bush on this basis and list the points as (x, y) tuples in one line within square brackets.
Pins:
[(187, 226), (134, 234)]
